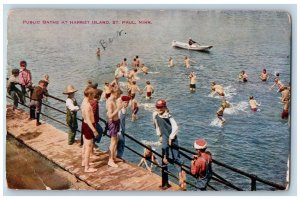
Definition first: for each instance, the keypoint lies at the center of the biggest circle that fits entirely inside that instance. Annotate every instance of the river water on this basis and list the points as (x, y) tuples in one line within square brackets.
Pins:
[(257, 143)]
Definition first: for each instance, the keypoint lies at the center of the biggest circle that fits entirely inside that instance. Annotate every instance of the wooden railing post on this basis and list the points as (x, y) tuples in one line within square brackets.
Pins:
[(253, 183)]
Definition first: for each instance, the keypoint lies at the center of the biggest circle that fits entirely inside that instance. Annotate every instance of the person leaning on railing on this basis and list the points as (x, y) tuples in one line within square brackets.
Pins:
[(25, 79), (201, 164), (12, 90)]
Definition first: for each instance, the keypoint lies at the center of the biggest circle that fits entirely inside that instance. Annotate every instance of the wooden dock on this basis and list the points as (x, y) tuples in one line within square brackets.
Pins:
[(52, 144)]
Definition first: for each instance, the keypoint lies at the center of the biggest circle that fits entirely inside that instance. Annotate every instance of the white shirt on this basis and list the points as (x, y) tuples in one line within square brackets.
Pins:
[(70, 105)]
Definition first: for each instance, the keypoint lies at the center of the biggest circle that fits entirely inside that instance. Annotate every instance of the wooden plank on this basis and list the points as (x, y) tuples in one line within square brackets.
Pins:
[(52, 144)]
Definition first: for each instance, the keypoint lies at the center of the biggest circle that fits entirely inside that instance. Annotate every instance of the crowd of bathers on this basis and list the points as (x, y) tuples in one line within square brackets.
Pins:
[(117, 100)]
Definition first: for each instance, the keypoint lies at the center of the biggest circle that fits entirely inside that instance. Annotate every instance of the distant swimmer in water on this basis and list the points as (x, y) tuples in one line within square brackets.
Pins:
[(264, 76), (192, 78), (243, 76), (187, 62), (217, 89), (144, 69), (98, 52), (149, 90), (253, 104), (124, 62), (279, 84), (220, 112), (171, 64)]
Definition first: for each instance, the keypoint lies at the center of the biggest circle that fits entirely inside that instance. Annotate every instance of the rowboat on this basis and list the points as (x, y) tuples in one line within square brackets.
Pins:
[(195, 46)]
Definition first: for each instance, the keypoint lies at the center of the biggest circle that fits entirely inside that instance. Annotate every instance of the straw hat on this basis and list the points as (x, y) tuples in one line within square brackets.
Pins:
[(69, 89)]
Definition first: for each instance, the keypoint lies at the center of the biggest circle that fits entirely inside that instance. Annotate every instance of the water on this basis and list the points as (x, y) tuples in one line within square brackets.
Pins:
[(242, 40)]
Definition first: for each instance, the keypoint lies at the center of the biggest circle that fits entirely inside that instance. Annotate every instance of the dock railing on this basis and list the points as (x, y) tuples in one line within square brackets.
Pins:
[(183, 152)]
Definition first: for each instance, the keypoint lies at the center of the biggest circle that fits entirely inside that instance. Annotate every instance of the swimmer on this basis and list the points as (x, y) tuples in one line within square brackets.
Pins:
[(253, 104), (134, 110), (98, 52), (285, 94), (187, 62), (225, 104), (149, 89), (264, 76), (279, 84), (144, 69), (134, 89), (124, 62), (192, 78), (171, 64), (150, 157), (285, 110), (217, 89), (243, 76)]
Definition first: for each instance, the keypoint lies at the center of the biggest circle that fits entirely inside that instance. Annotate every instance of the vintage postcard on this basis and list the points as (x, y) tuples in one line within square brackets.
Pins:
[(148, 100)]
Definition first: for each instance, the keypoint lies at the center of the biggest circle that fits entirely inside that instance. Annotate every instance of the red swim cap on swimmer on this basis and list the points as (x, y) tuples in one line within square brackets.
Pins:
[(200, 144), (161, 104)]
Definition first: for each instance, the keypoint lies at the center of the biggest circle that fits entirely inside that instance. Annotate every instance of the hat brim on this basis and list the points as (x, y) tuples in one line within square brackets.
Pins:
[(69, 92)]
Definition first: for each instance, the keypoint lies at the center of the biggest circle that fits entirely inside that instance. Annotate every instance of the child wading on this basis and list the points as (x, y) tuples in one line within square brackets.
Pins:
[(71, 117)]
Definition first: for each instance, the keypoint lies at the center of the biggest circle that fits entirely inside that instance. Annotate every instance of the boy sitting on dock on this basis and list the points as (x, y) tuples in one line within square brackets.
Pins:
[(150, 157)]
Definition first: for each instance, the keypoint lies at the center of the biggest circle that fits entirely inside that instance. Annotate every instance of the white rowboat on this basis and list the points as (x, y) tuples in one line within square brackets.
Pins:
[(195, 46)]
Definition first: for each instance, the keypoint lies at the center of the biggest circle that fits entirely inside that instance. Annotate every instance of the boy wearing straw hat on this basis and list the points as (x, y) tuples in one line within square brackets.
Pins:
[(71, 117)]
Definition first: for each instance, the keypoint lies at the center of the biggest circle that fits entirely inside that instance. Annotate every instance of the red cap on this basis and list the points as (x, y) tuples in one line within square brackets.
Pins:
[(125, 98), (161, 104), (200, 144)]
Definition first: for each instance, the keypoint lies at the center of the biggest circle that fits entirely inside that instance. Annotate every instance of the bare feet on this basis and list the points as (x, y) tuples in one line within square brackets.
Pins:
[(90, 170), (112, 164)]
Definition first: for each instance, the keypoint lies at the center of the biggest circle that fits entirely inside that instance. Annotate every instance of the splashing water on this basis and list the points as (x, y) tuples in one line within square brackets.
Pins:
[(216, 122), (149, 106), (237, 108)]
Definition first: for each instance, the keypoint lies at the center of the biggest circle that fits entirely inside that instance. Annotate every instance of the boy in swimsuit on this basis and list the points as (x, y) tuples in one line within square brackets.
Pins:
[(134, 109), (217, 89), (150, 157), (149, 89), (107, 90), (171, 64), (113, 125), (243, 76), (134, 89), (285, 94), (224, 104), (264, 76), (285, 110), (253, 104), (192, 78), (187, 62), (279, 84)]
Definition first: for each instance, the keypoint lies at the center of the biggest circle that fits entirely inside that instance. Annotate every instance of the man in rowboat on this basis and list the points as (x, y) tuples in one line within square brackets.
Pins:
[(191, 42)]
